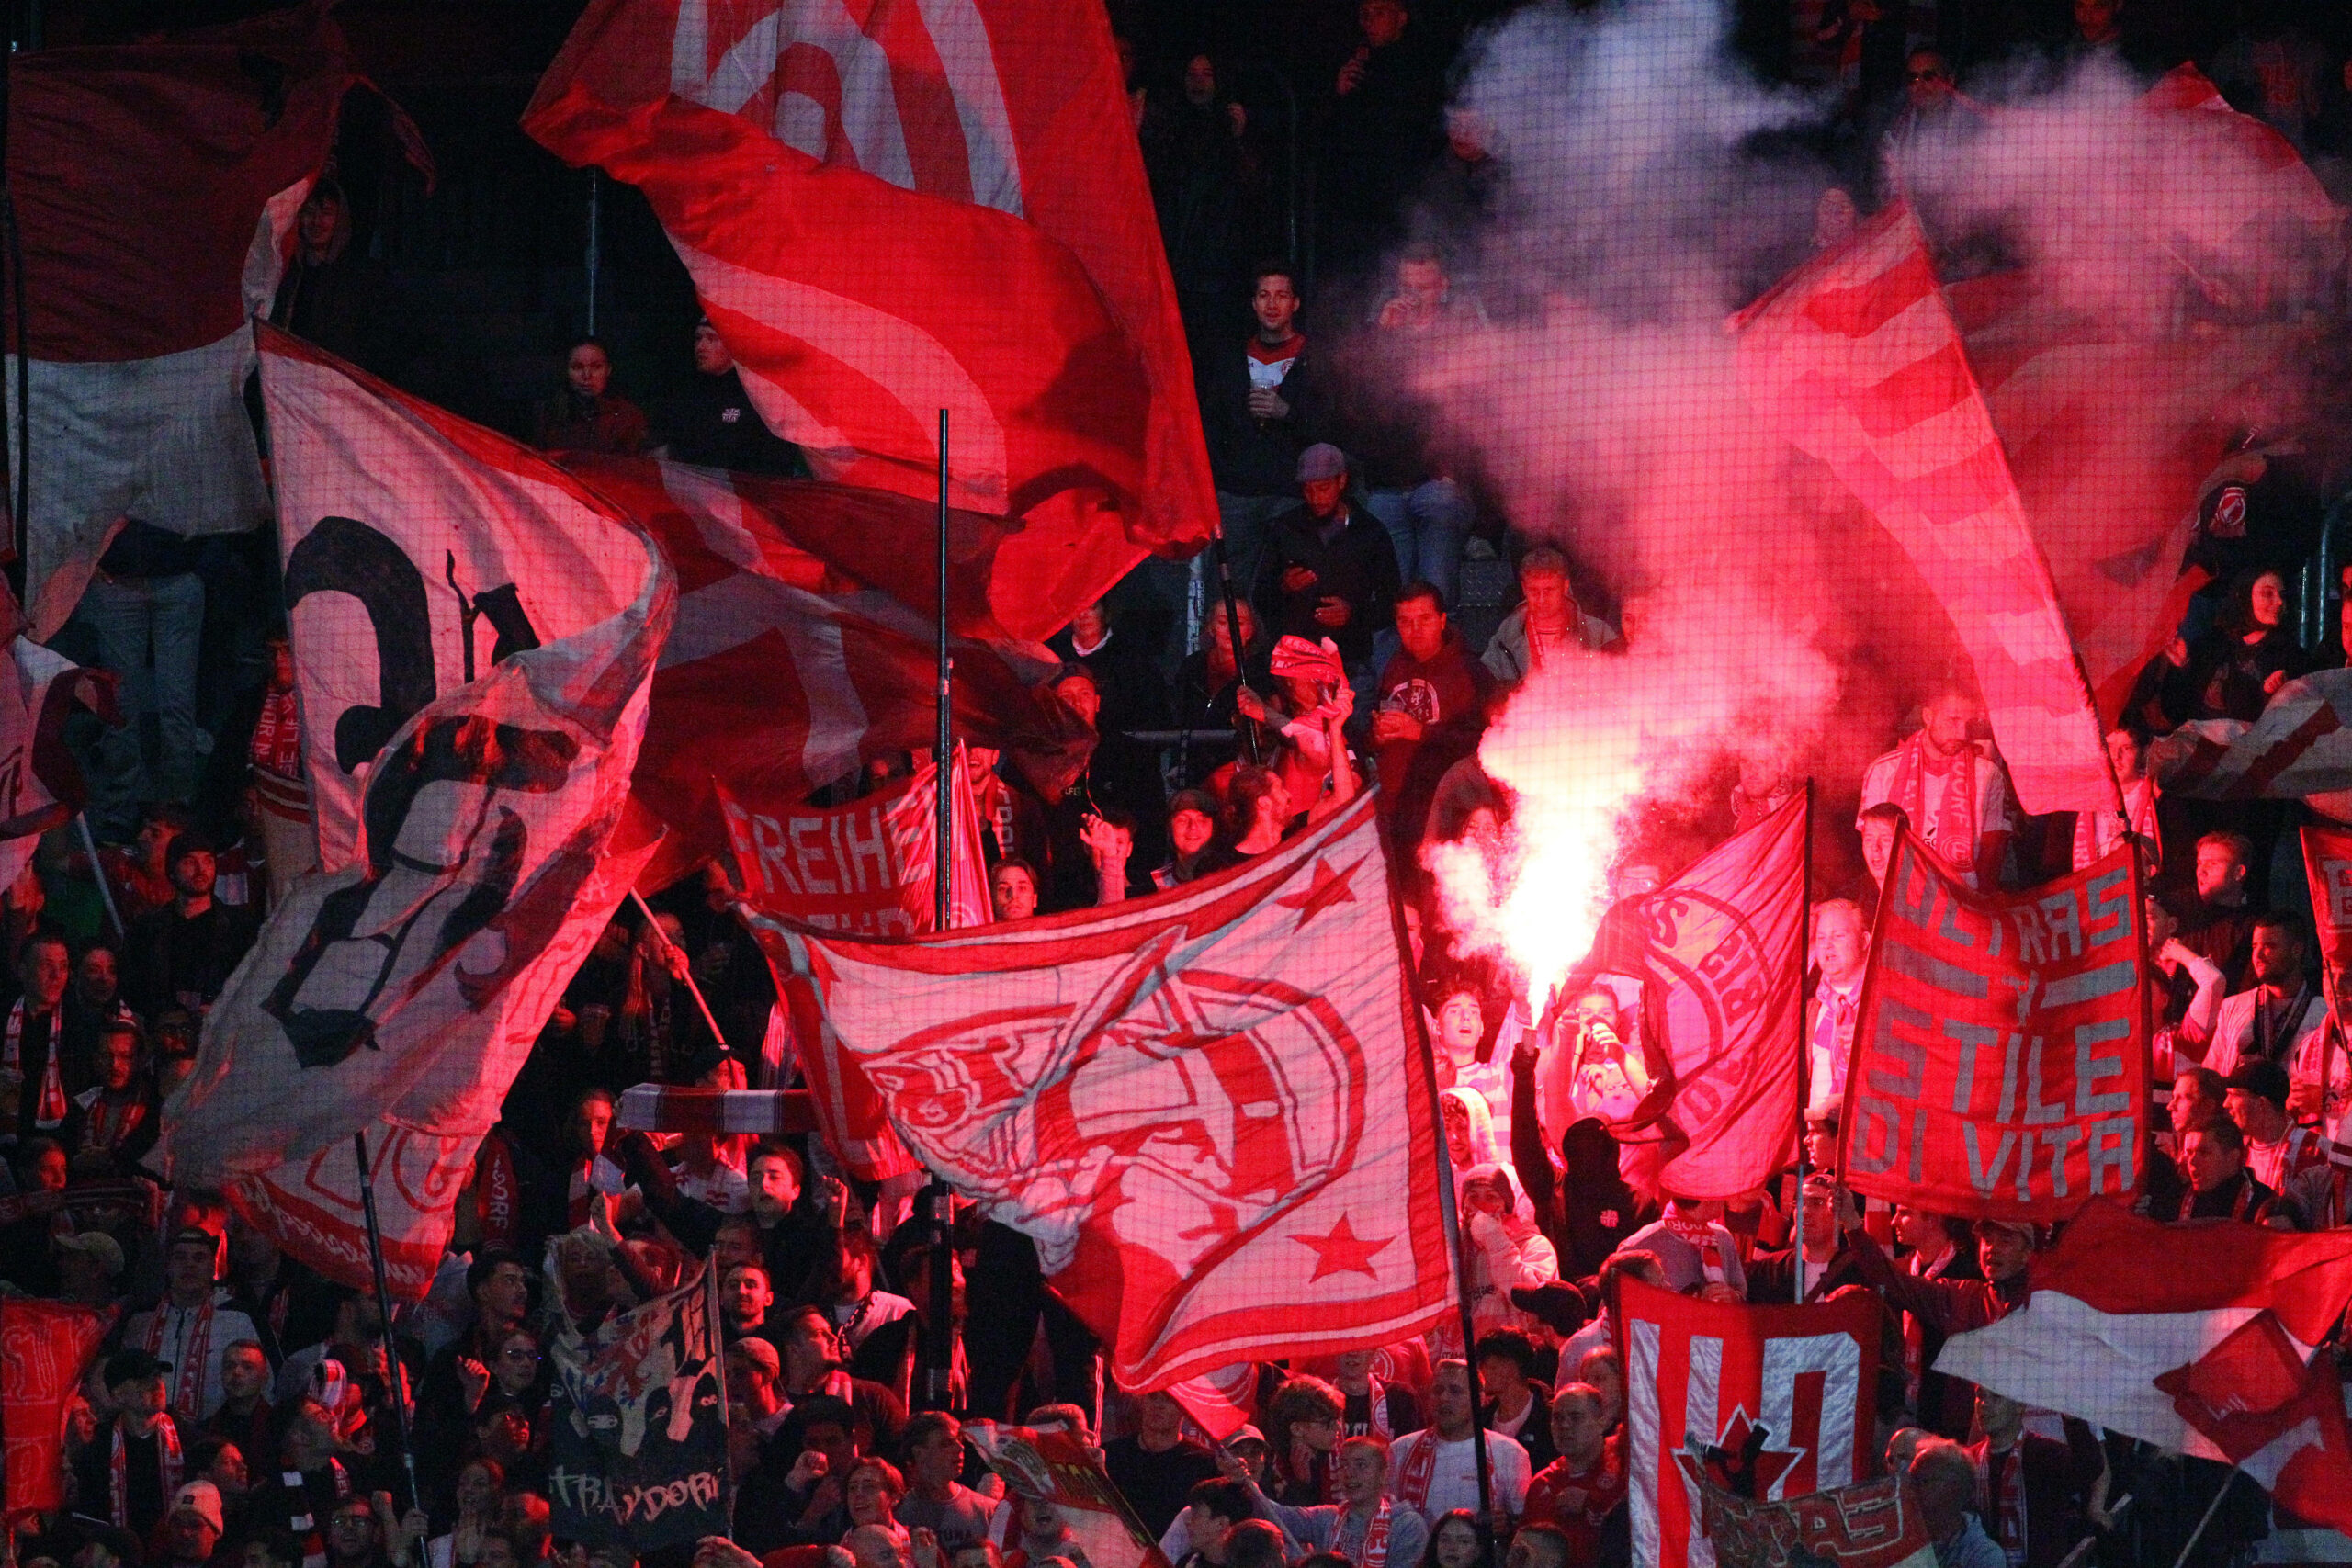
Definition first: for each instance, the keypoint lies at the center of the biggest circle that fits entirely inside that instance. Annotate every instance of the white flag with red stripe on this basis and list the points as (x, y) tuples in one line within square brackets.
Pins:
[(1855, 358), (892, 209), (398, 994), (156, 185), (1704, 1375), (2197, 1337), (1207, 1107)]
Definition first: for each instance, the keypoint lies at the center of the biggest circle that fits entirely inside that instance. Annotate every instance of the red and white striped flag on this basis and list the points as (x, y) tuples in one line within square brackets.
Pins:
[(1207, 1107), (893, 208), (399, 993), (800, 654), (1855, 358), (1704, 1375), (2198, 1338), (2301, 744)]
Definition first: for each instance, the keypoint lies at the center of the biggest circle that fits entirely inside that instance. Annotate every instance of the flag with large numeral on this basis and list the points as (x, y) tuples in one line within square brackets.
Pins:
[(398, 994), (1706, 1374)]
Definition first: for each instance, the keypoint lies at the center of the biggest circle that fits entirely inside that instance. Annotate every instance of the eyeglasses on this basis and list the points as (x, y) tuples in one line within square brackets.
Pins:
[(514, 1355), (1928, 76)]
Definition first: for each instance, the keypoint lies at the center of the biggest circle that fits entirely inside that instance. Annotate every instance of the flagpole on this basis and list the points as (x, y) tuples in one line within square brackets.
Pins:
[(393, 1372), (1450, 1215), (1233, 629), (2210, 1509), (686, 976), (711, 1324), (939, 1347), (98, 870), (1804, 1052)]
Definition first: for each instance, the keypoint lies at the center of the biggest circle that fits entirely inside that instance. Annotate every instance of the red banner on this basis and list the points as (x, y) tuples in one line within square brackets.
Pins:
[(43, 1346), (2000, 1062), (865, 867), (1705, 1374)]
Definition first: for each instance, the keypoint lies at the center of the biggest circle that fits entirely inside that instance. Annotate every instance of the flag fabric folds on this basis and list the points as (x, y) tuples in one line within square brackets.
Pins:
[(2195, 1337), (2000, 1065), (934, 206), (866, 867), (43, 1347), (806, 645), (2301, 744), (156, 184), (1049, 1464), (1705, 1374), (420, 551), (1855, 358), (40, 782), (398, 994), (637, 1447), (1720, 951), (1207, 1107), (1875, 1525)]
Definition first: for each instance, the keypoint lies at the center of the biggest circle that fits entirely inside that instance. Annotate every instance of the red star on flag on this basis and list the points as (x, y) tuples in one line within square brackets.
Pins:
[(1325, 889), (1343, 1252)]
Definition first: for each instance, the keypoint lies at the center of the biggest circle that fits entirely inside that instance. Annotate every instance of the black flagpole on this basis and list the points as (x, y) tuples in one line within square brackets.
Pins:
[(1233, 631), (1804, 1044), (393, 1372), (939, 1346)]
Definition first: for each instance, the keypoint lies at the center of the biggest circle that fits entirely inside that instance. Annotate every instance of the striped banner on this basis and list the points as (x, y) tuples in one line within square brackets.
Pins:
[(720, 1112), (1856, 360), (2300, 746)]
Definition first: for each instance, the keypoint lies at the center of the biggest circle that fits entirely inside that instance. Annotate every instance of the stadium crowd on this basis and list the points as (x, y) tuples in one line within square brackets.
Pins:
[(241, 1411)]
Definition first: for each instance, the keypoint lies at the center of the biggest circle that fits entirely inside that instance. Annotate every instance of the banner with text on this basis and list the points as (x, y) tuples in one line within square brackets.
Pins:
[(865, 867), (637, 1449), (2000, 1062)]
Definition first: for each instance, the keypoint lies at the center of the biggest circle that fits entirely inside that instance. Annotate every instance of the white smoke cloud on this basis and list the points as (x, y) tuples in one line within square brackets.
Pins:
[(1653, 188)]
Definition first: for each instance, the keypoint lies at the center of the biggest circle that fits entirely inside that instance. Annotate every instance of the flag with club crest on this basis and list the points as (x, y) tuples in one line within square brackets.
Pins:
[(1207, 1107)]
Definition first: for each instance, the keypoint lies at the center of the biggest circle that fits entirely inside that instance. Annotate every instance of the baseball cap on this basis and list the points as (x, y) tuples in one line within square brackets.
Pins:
[(1321, 461), (1246, 1433), (1198, 800), (133, 1365), (2268, 1079), (203, 1498), (95, 1245)]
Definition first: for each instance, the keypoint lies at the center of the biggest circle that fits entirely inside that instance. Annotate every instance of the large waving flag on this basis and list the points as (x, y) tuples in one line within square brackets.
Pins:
[(902, 206), (399, 993), (1721, 949), (1857, 359), (2198, 1338), (1207, 1107), (2301, 744), (156, 185), (800, 652)]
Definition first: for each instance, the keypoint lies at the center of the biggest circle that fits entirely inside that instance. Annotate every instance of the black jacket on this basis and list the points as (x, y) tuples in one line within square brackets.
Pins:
[(1249, 455), (713, 423), (1358, 566)]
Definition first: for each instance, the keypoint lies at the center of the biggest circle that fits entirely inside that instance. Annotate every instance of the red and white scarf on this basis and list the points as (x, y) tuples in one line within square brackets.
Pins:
[(1420, 1469), (189, 1357), (497, 1193), (1376, 1409), (110, 1118), (1712, 1244), (49, 1105), (1952, 829), (167, 1464), (277, 737), (1375, 1539)]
